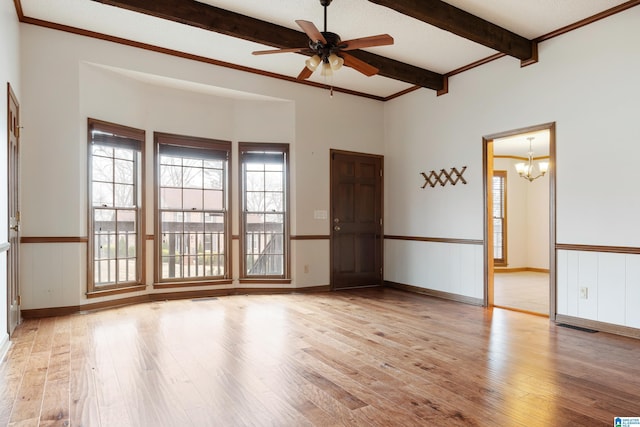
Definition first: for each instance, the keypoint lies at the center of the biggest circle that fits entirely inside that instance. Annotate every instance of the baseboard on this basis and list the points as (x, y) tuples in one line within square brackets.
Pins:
[(437, 294), (163, 296), (5, 343), (598, 326), (520, 270)]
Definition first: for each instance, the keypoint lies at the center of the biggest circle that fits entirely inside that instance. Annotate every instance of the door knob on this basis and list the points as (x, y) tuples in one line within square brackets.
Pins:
[(336, 228)]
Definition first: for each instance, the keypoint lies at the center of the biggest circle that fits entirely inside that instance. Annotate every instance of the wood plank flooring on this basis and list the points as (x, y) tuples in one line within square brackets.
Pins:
[(523, 290), (374, 357)]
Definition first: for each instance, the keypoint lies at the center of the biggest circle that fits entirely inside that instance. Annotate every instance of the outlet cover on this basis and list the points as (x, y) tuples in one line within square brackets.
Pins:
[(584, 292)]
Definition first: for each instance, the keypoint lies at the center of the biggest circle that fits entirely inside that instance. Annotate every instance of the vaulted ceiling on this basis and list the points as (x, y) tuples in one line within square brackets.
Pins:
[(433, 40)]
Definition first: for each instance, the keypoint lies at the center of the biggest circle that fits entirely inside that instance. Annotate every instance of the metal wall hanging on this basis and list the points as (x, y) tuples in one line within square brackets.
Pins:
[(453, 176)]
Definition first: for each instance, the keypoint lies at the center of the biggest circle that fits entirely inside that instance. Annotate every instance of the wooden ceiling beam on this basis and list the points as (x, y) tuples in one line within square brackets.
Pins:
[(233, 24), (464, 24)]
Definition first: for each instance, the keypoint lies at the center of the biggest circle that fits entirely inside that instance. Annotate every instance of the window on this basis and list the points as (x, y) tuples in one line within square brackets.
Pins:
[(192, 209), (499, 218), (115, 191), (264, 243)]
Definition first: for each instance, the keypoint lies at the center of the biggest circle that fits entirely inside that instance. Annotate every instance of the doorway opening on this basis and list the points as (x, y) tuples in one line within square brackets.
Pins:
[(520, 220)]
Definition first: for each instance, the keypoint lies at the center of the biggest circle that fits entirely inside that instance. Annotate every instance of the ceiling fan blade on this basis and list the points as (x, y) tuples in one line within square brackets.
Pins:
[(267, 52), (379, 40), (304, 74), (359, 65), (311, 30)]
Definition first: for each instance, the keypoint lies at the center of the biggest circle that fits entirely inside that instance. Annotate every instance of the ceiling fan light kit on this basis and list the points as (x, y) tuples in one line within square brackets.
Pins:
[(328, 49)]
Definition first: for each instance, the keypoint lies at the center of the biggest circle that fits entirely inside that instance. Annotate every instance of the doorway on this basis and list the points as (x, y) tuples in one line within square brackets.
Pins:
[(356, 220), (13, 176), (520, 220)]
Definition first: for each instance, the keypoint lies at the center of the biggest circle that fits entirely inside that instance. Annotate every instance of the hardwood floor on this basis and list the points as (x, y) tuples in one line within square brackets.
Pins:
[(525, 290), (374, 357)]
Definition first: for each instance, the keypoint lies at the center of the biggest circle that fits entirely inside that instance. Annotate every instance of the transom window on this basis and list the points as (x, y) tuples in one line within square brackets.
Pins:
[(265, 239), (115, 191), (192, 201)]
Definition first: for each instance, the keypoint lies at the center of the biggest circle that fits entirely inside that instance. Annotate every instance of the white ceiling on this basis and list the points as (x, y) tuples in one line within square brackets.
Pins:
[(518, 145), (416, 43)]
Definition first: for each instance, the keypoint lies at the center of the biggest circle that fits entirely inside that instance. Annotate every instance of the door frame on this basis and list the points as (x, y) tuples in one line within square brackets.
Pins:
[(487, 160), (13, 184), (331, 206)]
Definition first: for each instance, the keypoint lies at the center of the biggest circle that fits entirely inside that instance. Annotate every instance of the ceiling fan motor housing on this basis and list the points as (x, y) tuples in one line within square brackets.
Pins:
[(324, 50)]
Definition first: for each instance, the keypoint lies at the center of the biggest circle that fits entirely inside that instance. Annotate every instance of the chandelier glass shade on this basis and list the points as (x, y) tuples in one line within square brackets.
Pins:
[(527, 169)]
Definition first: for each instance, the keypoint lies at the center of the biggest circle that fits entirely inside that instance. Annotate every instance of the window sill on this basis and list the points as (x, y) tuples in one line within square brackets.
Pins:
[(115, 291), (170, 285), (266, 280)]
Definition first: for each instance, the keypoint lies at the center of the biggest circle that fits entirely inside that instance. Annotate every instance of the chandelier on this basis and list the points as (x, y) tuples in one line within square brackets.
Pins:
[(526, 170)]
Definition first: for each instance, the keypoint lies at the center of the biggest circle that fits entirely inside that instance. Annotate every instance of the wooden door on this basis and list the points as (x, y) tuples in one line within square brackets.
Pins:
[(356, 220), (13, 255)]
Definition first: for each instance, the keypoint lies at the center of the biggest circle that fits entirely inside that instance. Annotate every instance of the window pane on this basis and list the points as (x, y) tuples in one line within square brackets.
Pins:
[(102, 168), (192, 199), (171, 222), (171, 198), (102, 194), (124, 154), (255, 181), (252, 166), (170, 160), (122, 270), (213, 179), (192, 162), (104, 272), (194, 222), (274, 181), (124, 195), (124, 172), (214, 164), (100, 150), (171, 176), (213, 200), (273, 202), (127, 221), (255, 202), (192, 177), (274, 223)]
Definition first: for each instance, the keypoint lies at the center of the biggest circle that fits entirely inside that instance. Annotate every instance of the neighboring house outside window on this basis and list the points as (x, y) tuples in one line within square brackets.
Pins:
[(192, 208), (115, 167), (264, 236)]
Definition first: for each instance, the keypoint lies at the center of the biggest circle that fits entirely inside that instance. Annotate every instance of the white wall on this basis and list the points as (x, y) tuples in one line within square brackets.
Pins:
[(82, 80), (9, 72), (587, 82)]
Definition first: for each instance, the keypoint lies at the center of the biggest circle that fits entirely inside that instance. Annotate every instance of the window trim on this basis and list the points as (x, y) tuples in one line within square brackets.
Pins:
[(197, 143), (139, 136), (286, 276), (502, 262)]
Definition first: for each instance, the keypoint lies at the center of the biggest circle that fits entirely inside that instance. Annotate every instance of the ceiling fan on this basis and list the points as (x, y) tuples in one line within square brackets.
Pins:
[(328, 50)]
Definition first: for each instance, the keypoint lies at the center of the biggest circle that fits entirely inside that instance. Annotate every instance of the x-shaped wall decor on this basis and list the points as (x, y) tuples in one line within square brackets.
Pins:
[(453, 176)]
